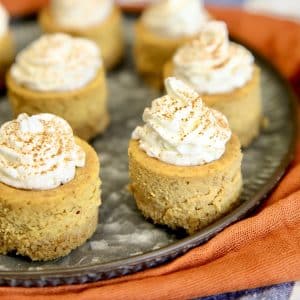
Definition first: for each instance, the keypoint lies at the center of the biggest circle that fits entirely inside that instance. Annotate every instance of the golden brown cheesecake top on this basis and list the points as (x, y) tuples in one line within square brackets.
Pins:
[(175, 18), (211, 63), (57, 63), (181, 130), (38, 152), (80, 14)]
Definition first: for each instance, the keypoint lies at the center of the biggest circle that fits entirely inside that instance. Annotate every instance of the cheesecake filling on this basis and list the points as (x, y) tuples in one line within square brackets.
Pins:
[(175, 18), (4, 20), (80, 14), (212, 64), (181, 130), (57, 63), (38, 152)]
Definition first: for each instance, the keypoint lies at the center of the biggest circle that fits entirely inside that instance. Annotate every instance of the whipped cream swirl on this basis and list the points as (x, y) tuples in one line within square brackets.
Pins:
[(180, 130), (57, 63), (4, 20), (175, 18), (80, 13), (38, 152), (211, 63)]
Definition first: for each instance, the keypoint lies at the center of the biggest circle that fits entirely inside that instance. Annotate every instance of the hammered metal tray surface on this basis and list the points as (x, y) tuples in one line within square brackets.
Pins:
[(124, 241)]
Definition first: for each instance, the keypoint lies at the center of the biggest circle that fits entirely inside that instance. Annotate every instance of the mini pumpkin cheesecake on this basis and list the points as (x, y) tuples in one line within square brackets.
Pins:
[(184, 163), (49, 188), (98, 20), (7, 47), (64, 76), (163, 27), (226, 77)]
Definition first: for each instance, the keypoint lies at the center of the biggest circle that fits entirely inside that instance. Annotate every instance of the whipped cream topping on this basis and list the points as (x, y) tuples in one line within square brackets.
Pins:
[(180, 130), (175, 18), (211, 63), (57, 63), (38, 152), (80, 13), (4, 20)]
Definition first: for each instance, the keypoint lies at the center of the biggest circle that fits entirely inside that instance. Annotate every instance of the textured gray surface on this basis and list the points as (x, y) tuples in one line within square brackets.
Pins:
[(122, 231)]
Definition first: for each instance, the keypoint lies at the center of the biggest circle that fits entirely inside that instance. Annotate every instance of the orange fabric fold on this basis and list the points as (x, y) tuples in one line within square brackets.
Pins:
[(260, 250)]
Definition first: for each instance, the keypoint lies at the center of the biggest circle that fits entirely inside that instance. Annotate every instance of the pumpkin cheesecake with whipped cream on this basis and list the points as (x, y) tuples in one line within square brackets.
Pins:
[(98, 20), (225, 75), (49, 188), (7, 47), (184, 163), (65, 76), (162, 28)]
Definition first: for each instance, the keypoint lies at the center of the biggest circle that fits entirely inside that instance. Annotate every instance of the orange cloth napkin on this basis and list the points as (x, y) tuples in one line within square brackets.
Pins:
[(19, 8), (261, 250)]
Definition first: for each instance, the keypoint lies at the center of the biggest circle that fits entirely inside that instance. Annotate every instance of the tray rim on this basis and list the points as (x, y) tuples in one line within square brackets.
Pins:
[(103, 271)]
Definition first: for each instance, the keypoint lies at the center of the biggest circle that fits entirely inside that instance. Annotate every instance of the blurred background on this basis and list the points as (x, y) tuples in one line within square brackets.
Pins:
[(282, 8)]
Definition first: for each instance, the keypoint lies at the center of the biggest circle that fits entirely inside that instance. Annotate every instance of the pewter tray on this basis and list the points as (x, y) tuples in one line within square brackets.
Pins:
[(124, 241)]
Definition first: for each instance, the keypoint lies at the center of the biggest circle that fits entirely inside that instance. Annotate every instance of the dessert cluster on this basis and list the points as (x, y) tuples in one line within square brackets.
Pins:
[(184, 161)]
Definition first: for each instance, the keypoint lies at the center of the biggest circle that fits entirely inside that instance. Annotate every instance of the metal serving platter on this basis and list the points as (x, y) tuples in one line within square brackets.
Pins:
[(124, 241)]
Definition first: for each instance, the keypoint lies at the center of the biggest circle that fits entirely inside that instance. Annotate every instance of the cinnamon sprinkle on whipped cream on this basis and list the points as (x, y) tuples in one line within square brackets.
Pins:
[(212, 64), (38, 152), (181, 130), (57, 63)]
